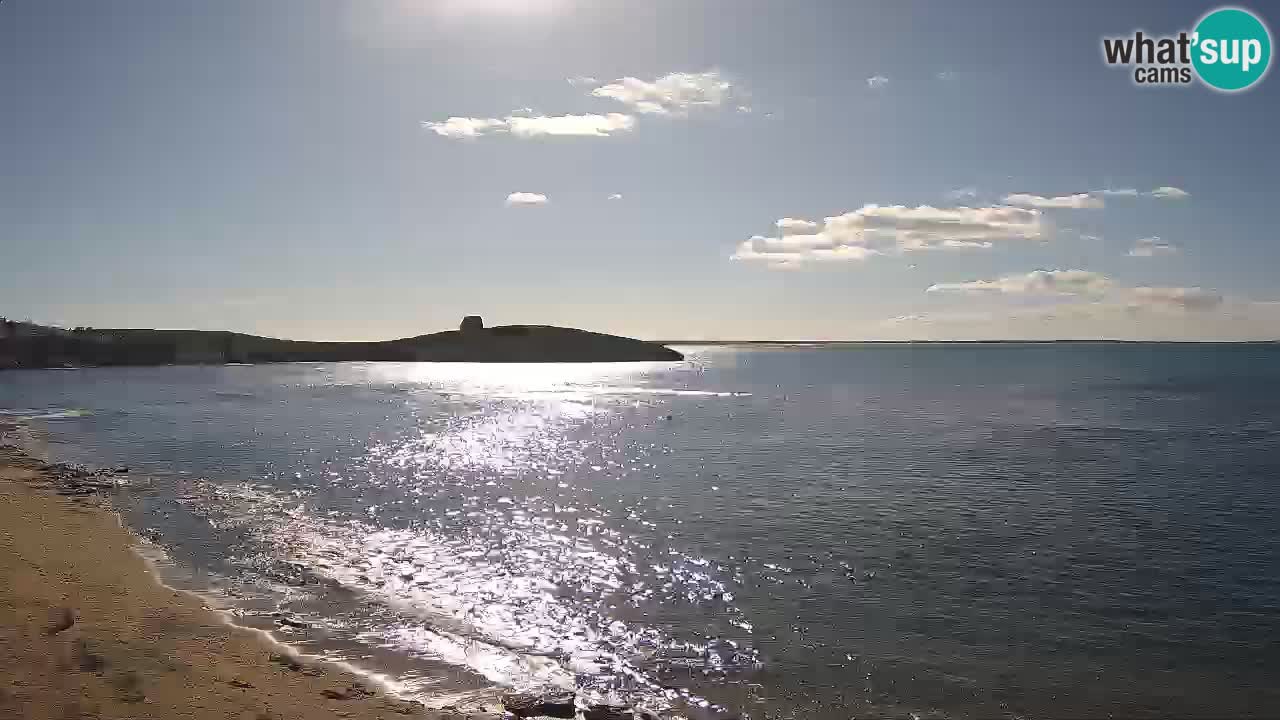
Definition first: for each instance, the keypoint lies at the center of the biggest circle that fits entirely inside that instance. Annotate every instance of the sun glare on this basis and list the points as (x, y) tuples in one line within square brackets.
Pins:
[(497, 7)]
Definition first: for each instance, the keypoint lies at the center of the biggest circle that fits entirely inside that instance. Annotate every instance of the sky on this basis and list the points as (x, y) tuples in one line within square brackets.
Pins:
[(667, 169)]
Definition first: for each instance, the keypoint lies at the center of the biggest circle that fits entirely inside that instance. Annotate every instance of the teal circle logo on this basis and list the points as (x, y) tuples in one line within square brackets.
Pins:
[(1231, 49)]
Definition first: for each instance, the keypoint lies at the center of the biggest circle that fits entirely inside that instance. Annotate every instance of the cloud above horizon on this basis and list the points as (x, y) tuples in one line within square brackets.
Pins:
[(521, 126), (1058, 304), (1073, 284), (884, 230), (1036, 282), (1151, 246), (1165, 192), (961, 193), (1185, 298), (520, 199), (1170, 193), (1078, 201), (1163, 315), (672, 94)]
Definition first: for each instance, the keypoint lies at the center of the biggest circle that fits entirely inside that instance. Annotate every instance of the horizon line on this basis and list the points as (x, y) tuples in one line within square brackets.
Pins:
[(969, 342)]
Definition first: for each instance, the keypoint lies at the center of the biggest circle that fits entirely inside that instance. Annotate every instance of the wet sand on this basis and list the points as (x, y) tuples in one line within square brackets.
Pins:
[(86, 630)]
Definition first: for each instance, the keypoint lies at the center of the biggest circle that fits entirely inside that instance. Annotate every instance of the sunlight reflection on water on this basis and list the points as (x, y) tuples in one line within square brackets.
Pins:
[(949, 531), (482, 527)]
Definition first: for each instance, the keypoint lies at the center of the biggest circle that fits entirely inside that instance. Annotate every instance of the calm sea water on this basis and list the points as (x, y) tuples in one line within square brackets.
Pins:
[(944, 530)]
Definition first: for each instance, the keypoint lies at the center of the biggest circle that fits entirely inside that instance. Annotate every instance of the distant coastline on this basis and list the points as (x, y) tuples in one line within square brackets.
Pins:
[(810, 343), (31, 345), (28, 345)]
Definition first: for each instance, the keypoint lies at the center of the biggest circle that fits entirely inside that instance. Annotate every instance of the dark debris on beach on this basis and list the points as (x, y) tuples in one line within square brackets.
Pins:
[(74, 480)]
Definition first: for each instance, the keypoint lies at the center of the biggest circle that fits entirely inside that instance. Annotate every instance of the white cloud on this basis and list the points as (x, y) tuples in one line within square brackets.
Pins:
[(1089, 285), (519, 199), (1170, 193), (1078, 201), (946, 75), (875, 82), (673, 93), (882, 230), (841, 253), (962, 244), (796, 251), (1165, 191), (1065, 231), (1150, 247), (1128, 313), (1037, 282), (1185, 298), (964, 193), (937, 318), (616, 196), (925, 227), (796, 227), (591, 125), (461, 128)]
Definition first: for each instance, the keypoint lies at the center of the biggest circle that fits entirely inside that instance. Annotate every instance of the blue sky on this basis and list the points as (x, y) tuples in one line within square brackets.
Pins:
[(288, 168)]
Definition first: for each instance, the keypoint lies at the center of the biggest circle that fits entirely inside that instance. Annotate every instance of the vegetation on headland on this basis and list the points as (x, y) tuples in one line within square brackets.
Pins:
[(29, 345)]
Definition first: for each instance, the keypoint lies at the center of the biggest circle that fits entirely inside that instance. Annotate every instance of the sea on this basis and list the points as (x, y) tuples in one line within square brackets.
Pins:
[(987, 530)]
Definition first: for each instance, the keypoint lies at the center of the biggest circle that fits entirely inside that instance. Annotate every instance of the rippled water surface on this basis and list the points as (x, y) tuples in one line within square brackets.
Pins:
[(938, 530)]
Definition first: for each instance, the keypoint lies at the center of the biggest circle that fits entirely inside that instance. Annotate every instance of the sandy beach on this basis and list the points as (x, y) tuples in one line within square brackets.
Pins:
[(86, 630)]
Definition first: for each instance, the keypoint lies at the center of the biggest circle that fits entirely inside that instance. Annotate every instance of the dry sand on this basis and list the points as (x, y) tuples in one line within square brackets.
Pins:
[(86, 631)]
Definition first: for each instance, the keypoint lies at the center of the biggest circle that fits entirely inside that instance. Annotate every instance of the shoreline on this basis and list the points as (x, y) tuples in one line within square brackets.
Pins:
[(90, 629)]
